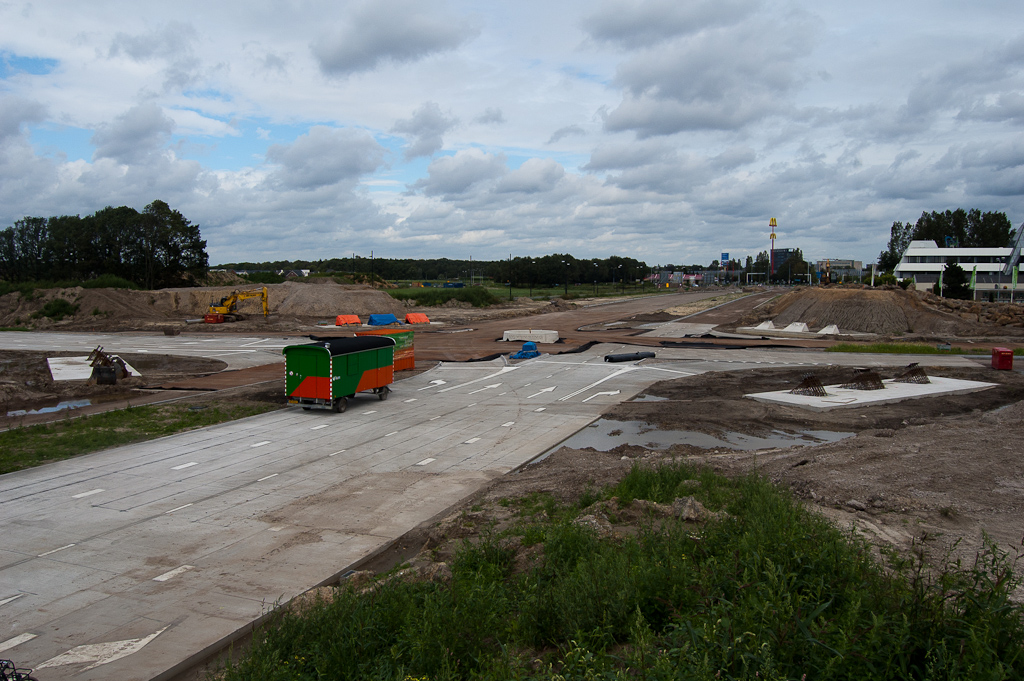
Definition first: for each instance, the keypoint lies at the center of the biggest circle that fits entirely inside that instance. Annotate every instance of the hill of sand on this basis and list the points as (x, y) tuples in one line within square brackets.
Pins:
[(119, 308), (889, 312)]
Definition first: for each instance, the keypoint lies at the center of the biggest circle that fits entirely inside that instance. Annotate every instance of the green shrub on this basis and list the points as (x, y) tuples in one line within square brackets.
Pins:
[(477, 296), (57, 309), (264, 278), (110, 281)]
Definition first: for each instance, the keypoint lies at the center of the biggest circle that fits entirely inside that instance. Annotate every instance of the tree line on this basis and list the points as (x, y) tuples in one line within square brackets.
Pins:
[(155, 248), (969, 229)]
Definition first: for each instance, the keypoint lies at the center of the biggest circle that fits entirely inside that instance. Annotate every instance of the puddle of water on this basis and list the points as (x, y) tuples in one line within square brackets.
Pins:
[(649, 398), (50, 407), (60, 406), (605, 434)]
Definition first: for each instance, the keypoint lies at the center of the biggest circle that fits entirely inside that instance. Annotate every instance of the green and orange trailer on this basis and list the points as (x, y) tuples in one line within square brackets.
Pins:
[(326, 373)]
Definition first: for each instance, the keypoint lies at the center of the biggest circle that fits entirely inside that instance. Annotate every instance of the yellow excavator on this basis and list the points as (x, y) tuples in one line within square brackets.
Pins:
[(227, 309)]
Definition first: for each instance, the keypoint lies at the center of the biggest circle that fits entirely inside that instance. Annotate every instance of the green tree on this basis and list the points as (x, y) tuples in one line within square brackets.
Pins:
[(899, 238), (955, 281)]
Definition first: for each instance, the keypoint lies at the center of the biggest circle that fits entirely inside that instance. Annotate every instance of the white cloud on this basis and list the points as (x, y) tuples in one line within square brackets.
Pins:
[(427, 128), (324, 157), (134, 135), (389, 31)]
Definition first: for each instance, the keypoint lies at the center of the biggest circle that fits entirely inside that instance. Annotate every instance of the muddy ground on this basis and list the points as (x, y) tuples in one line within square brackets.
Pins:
[(933, 473)]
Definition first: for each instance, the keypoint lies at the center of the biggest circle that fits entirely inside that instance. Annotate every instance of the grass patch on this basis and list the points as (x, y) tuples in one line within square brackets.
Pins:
[(34, 445), (911, 349), (432, 297), (770, 592)]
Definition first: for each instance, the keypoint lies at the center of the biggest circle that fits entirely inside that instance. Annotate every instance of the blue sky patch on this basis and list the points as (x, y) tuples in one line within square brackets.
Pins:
[(11, 64)]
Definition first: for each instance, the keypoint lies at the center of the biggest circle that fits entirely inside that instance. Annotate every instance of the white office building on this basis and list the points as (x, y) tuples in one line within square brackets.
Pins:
[(923, 261)]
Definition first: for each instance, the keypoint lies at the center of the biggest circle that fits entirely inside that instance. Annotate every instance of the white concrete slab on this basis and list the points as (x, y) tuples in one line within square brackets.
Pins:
[(797, 327), (535, 335), (844, 398), (679, 330), (830, 330), (76, 368)]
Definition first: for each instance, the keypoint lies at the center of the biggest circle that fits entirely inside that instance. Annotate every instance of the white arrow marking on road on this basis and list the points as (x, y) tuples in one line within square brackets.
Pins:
[(501, 371), (597, 383), (433, 384), (16, 641), (480, 390), (100, 653), (610, 392), (543, 390), (12, 598)]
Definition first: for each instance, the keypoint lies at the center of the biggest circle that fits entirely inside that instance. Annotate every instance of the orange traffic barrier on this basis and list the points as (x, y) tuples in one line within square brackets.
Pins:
[(344, 319), (416, 318)]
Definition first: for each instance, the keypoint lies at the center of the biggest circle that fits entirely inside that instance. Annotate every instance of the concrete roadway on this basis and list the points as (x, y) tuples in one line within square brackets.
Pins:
[(133, 562)]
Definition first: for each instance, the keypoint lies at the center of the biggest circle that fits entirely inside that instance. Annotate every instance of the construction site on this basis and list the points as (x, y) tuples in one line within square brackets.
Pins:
[(913, 452)]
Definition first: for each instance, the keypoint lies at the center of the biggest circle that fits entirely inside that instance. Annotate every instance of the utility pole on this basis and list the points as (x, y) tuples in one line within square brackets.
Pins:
[(510, 277)]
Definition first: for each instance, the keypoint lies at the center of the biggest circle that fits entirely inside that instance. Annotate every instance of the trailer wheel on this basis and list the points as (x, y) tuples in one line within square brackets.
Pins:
[(383, 394), (340, 405)]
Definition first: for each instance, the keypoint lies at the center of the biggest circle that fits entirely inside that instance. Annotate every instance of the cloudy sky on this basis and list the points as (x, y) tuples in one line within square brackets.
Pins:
[(666, 130)]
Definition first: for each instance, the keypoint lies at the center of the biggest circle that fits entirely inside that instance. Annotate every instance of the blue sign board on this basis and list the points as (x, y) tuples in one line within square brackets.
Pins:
[(725, 258)]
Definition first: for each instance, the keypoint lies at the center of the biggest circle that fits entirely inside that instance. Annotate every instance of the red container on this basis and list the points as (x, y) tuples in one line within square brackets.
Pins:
[(1002, 359)]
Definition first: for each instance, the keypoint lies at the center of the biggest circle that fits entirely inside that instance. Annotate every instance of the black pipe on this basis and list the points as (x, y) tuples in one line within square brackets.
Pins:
[(630, 357)]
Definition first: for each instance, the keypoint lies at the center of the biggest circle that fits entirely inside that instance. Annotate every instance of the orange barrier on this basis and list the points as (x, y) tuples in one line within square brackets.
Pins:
[(416, 318), (343, 319)]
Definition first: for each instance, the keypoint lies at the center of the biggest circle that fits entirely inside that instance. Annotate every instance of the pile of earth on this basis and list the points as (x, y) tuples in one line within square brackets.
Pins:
[(115, 308), (890, 312)]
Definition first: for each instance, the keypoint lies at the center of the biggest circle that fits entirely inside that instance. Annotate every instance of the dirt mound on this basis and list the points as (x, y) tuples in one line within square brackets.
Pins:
[(98, 308), (887, 312), (224, 278)]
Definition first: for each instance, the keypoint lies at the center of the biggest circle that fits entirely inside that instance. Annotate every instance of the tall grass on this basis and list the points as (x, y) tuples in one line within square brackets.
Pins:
[(432, 297), (910, 349), (769, 592)]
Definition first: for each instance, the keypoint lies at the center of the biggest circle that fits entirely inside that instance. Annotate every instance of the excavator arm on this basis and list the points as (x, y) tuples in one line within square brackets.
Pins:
[(226, 310)]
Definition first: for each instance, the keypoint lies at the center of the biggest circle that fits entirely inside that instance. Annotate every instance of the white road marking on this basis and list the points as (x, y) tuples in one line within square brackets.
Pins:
[(185, 465), (625, 370), (433, 384), (260, 444), (12, 598), (394, 432), (56, 550), (87, 494), (337, 452), (275, 529), (507, 424), (540, 409), (372, 411), (267, 477), (471, 440), (172, 573), (16, 641), (100, 653), (500, 394), (470, 405), (480, 390), (425, 462), (177, 509), (544, 390), (435, 418), (501, 371), (411, 399), (320, 426), (609, 392)]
